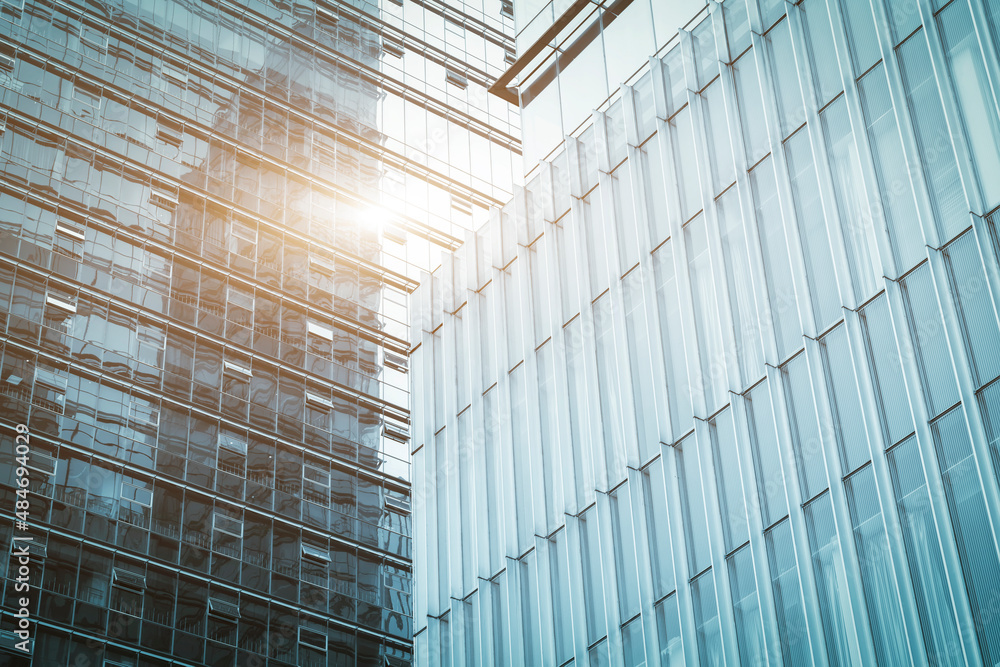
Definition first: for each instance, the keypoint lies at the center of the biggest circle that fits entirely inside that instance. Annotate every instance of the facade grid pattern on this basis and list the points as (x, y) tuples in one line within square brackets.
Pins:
[(719, 386)]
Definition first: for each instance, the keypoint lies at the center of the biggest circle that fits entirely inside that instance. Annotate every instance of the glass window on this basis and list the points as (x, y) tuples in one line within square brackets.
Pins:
[(742, 306), (693, 504), (766, 454), (804, 426), (737, 26), (661, 558), (927, 331), (746, 608), (883, 357), (628, 240), (791, 108), (668, 628), (608, 384), (637, 332), (729, 481), (685, 163), (777, 266), (706, 62), (881, 594), (751, 105), (706, 314), (562, 621), (831, 579), (717, 131), (653, 184), (787, 596), (548, 411), (491, 445), (593, 229), (848, 420), (975, 99), (856, 224), (861, 33), (537, 264), (593, 575), (674, 82), (819, 33), (970, 519), (813, 230), (632, 644), (706, 620), (524, 478), (679, 390), (529, 609), (578, 399), (511, 280), (624, 544), (977, 315), (951, 212), (500, 618), (898, 202), (923, 550)]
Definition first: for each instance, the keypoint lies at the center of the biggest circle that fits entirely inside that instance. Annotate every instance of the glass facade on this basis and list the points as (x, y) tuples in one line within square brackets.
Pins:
[(761, 307), (212, 218)]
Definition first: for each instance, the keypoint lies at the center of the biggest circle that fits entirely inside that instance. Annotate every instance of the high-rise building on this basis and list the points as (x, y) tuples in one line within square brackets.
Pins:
[(719, 385), (211, 218)]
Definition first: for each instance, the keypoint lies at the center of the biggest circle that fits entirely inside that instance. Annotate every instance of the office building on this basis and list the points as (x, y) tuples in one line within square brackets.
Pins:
[(719, 385), (212, 217)]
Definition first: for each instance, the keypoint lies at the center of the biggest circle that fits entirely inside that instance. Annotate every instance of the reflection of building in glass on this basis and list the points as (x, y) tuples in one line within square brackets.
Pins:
[(733, 397), (204, 315)]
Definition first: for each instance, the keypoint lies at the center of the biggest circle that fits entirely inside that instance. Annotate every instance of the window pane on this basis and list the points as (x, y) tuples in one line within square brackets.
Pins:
[(831, 579), (976, 312), (729, 481), (653, 185), (826, 72), (890, 167), (632, 644), (562, 622), (791, 108), (624, 544), (746, 608), (706, 314), (522, 458), (848, 421), (639, 354), (881, 594), (717, 129), (593, 577), (813, 230), (693, 505), (883, 357), (923, 550), (658, 528), (608, 385), (751, 106), (970, 519), (767, 456), (804, 427), (628, 241), (679, 393), (861, 33), (706, 620), (742, 306), (777, 266), (927, 330), (972, 88), (529, 609), (548, 412), (685, 163), (933, 139), (859, 237), (668, 627), (787, 596)]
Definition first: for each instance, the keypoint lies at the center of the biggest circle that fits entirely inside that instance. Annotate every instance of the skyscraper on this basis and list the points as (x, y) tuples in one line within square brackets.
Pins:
[(719, 385), (212, 218)]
